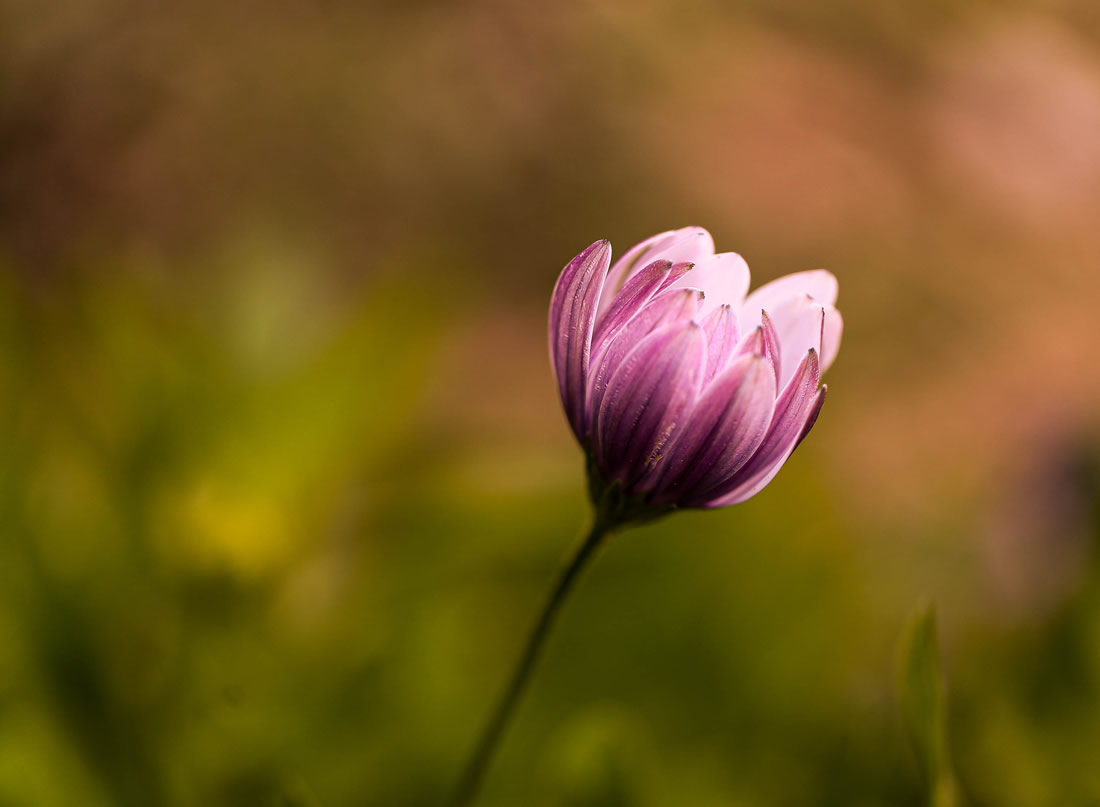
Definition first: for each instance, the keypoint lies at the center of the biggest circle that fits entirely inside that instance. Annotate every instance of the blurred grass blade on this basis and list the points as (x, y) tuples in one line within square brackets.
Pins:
[(924, 707)]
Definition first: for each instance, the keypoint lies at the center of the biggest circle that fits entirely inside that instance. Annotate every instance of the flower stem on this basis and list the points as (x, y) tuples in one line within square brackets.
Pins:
[(483, 753)]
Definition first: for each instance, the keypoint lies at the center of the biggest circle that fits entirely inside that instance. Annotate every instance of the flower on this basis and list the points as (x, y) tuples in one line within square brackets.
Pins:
[(683, 391)]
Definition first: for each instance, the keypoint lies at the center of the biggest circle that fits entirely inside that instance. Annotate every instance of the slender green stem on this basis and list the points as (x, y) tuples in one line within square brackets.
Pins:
[(483, 753)]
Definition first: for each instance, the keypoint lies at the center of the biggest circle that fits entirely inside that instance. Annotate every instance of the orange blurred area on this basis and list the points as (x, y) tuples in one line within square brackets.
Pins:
[(283, 471)]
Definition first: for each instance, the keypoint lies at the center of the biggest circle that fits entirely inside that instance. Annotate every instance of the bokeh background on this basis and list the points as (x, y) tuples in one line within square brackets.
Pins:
[(283, 475)]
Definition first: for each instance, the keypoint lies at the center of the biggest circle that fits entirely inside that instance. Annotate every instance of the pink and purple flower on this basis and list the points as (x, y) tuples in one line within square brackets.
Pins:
[(683, 391)]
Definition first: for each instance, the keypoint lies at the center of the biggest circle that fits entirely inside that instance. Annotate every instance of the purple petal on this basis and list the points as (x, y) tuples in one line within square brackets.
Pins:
[(647, 400), (720, 328), (687, 245), (772, 345), (752, 343), (638, 291), (757, 342), (572, 316), (723, 431), (677, 272), (667, 308), (815, 410), (795, 406)]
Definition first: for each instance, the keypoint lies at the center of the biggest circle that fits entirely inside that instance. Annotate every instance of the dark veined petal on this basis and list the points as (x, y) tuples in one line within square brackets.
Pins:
[(772, 345), (726, 427), (797, 403), (667, 308), (572, 316), (677, 272), (815, 410), (757, 342), (647, 400), (638, 291)]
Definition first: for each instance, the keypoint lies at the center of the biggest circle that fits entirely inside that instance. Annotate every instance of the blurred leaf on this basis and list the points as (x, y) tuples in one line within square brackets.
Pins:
[(924, 707)]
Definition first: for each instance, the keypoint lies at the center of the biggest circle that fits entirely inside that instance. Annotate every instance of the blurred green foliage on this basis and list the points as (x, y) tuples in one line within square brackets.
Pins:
[(282, 473), (925, 708)]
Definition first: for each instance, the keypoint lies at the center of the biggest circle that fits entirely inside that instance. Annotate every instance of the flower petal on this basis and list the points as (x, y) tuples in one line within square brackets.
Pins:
[(572, 316), (815, 410), (723, 431), (720, 328), (647, 400), (817, 283), (759, 342), (638, 291), (831, 331), (675, 306), (686, 245), (678, 271), (797, 403), (751, 342), (802, 323), (772, 345), (724, 278)]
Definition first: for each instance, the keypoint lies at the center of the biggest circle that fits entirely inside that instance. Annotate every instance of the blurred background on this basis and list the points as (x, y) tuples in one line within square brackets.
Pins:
[(283, 472)]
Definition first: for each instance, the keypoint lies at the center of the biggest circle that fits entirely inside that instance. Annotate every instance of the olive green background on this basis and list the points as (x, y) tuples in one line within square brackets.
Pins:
[(284, 477)]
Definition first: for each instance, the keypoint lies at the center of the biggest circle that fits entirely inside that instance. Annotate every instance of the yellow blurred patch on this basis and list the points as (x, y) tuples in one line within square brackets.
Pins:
[(245, 532)]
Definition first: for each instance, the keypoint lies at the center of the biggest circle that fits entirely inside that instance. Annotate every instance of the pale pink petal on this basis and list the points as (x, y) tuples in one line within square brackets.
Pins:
[(572, 316), (802, 323), (723, 277), (816, 283), (686, 245), (830, 337)]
